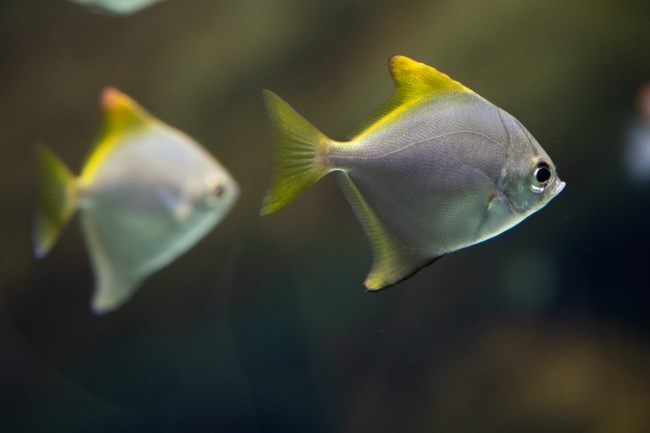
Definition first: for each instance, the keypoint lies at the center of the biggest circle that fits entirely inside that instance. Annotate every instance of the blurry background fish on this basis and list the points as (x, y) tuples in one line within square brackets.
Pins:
[(637, 150), (147, 194), (124, 7), (544, 328)]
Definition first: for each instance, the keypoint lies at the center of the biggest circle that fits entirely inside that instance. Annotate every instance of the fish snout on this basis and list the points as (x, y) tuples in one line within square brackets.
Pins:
[(559, 186)]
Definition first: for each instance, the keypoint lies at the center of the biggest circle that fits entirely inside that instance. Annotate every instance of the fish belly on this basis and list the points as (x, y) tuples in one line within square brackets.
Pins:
[(427, 198)]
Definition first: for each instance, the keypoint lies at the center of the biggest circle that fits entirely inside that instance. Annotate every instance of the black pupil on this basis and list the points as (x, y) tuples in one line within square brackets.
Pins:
[(543, 175)]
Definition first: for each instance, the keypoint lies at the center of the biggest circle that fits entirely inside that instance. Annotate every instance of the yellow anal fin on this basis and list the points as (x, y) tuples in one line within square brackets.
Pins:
[(57, 200), (298, 154), (414, 82), (392, 263)]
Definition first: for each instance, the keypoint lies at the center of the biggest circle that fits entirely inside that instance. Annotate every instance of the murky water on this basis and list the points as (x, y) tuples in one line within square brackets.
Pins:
[(264, 326)]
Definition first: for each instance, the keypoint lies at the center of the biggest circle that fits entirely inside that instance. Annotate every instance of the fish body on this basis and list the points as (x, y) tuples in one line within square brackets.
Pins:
[(121, 7), (436, 169), (147, 194)]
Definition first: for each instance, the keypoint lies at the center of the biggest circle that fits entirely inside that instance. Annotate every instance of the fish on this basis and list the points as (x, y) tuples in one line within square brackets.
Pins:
[(146, 194), (120, 7), (637, 150), (435, 169), (637, 146)]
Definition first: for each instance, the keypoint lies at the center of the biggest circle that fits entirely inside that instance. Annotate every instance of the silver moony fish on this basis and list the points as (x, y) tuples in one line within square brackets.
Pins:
[(437, 168), (147, 194)]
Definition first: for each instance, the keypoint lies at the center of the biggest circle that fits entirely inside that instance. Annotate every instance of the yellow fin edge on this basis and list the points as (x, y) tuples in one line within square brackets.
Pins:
[(389, 267)]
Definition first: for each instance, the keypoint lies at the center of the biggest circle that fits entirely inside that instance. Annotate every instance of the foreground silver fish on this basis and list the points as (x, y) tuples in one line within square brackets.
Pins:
[(147, 194), (122, 7), (437, 168)]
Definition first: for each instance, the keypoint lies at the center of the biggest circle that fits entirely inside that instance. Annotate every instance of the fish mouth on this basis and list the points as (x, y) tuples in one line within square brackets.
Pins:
[(559, 186)]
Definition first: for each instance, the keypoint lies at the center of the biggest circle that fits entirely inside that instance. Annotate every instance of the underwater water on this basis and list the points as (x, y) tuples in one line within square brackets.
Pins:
[(264, 325)]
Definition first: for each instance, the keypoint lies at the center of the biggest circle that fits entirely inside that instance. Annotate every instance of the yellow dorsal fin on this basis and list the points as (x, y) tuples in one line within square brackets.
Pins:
[(414, 82), (121, 114)]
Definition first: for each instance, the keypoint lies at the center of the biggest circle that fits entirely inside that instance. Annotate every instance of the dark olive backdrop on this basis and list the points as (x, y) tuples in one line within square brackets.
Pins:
[(264, 326)]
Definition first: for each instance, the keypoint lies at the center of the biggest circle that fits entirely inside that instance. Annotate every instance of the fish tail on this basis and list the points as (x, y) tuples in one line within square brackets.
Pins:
[(298, 155), (57, 200)]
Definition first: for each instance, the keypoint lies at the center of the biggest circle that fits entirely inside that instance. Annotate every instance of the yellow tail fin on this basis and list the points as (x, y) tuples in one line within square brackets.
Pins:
[(298, 155), (57, 198)]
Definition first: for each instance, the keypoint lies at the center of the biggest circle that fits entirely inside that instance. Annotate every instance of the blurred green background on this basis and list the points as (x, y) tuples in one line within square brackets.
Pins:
[(264, 326)]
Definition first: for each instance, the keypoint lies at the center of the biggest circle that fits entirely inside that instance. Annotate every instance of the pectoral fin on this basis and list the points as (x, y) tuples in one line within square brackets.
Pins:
[(180, 206)]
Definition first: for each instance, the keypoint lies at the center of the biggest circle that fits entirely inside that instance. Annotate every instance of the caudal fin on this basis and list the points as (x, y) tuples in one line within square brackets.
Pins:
[(297, 157), (57, 196)]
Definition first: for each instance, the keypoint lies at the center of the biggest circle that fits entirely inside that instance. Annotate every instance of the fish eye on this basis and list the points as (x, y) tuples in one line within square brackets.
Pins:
[(214, 191), (542, 176), (217, 190)]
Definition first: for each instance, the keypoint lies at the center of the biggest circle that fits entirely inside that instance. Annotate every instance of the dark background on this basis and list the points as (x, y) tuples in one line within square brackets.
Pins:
[(264, 326)]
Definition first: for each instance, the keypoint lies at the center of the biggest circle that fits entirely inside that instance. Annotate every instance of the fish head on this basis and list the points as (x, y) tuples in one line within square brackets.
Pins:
[(215, 193), (531, 178)]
